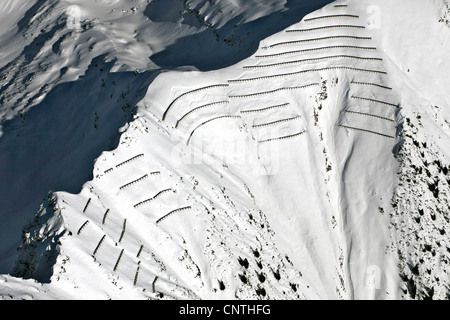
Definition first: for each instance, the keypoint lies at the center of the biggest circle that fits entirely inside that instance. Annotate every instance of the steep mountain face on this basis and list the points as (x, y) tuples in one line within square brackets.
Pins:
[(53, 50), (315, 167)]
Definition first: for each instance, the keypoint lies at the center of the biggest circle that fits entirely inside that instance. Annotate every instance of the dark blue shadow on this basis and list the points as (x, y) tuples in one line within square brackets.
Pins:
[(54, 146), (225, 46)]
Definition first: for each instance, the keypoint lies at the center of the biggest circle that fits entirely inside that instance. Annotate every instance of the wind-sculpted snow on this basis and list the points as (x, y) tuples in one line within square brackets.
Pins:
[(313, 169)]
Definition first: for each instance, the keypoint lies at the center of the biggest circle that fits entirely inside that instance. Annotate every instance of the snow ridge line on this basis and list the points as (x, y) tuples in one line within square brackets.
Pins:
[(365, 130), (284, 137), (310, 59), (370, 115), (374, 100), (172, 212), (133, 182), (201, 107), (207, 121), (87, 205), (191, 92), (99, 244), (371, 84), (118, 260), (306, 71), (129, 160), (332, 16), (267, 108), (340, 6), (123, 229), (274, 91), (316, 39), (82, 227), (153, 198), (315, 49), (108, 171), (275, 122), (327, 27)]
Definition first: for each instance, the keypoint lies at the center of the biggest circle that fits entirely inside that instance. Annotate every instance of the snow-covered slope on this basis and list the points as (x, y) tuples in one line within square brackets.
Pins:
[(316, 168), (48, 59)]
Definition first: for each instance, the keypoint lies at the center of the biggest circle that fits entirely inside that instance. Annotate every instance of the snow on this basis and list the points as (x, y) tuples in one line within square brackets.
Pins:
[(280, 172)]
